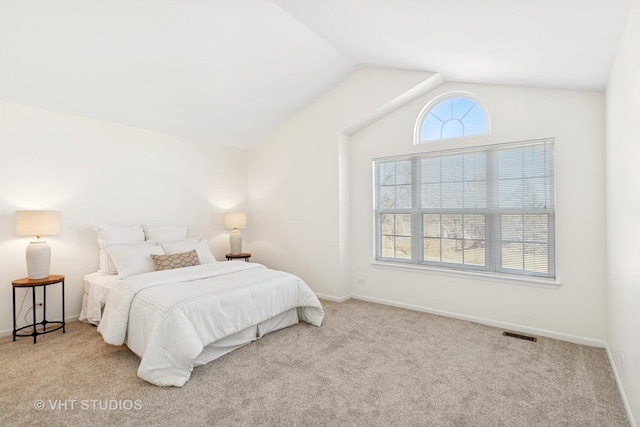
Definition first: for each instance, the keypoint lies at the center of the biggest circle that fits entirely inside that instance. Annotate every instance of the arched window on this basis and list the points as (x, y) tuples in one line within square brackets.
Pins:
[(452, 115)]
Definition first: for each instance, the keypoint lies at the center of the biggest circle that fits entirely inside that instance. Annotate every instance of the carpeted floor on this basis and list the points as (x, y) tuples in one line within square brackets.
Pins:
[(367, 365)]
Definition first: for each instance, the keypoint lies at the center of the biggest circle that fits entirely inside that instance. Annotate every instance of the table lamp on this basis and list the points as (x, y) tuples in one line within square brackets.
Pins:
[(38, 223), (235, 221)]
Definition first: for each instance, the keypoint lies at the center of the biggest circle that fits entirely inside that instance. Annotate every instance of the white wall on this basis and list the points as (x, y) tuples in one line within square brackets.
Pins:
[(103, 173), (299, 201), (623, 211), (295, 180), (576, 120)]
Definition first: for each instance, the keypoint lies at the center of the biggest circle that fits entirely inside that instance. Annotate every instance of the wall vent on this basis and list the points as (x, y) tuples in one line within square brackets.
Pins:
[(519, 336)]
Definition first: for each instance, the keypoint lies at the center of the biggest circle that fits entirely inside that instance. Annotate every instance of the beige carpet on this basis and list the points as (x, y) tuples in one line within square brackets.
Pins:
[(367, 365)]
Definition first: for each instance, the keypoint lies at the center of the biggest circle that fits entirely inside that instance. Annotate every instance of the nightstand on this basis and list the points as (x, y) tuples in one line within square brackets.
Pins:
[(244, 255), (33, 284)]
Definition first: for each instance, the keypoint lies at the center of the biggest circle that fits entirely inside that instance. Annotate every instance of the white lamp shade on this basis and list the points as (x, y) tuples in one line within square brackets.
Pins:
[(233, 220), (37, 223)]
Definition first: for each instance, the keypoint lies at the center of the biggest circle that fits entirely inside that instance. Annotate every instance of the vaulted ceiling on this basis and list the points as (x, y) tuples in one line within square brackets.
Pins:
[(230, 71)]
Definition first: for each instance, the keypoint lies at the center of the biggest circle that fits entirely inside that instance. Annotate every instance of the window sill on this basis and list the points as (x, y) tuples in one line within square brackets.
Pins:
[(524, 281)]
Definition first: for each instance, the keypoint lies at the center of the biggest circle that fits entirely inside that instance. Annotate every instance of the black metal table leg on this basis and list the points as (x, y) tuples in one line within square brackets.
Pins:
[(14, 313)]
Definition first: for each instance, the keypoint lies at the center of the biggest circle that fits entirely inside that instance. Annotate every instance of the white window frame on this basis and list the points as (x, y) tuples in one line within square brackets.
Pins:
[(437, 101), (493, 256)]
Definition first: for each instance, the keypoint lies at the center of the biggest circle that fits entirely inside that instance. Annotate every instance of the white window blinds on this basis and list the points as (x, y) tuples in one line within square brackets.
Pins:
[(487, 209)]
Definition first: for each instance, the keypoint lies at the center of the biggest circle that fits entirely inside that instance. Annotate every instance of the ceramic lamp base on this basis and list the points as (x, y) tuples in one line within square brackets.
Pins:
[(235, 242), (38, 259)]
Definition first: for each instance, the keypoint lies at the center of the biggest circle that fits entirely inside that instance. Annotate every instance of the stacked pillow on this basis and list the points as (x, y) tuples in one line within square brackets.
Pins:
[(110, 236), (165, 233), (200, 245), (138, 249)]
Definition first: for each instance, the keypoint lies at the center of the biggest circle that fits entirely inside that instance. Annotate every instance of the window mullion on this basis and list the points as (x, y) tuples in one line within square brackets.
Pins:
[(377, 210), (492, 221), (416, 223), (551, 243)]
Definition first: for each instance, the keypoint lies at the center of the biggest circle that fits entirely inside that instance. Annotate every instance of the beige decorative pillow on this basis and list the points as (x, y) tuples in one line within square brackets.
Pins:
[(167, 262)]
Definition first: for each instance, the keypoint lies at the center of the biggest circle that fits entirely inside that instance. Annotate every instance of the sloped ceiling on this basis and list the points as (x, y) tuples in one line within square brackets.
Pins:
[(230, 71)]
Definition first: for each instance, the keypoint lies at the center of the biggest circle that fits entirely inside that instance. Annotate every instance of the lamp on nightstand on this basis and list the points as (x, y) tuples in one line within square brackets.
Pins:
[(235, 221), (38, 223)]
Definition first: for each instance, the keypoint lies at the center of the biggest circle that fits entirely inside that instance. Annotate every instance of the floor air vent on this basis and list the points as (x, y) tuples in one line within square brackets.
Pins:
[(519, 336)]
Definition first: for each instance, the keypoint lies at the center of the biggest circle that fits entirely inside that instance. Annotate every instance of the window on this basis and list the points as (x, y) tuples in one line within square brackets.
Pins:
[(453, 115), (488, 209)]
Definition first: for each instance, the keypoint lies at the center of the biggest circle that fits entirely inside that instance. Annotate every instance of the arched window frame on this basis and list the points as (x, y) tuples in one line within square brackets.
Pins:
[(436, 102)]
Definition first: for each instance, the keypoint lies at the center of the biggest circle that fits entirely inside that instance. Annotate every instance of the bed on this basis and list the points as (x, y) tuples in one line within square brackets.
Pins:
[(181, 317)]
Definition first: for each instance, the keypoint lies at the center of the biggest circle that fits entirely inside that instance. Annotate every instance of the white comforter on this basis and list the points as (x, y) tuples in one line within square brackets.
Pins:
[(180, 311)]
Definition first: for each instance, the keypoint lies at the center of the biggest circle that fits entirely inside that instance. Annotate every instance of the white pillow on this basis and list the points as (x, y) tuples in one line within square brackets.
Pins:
[(114, 233), (202, 248), (134, 259), (165, 233), (106, 263)]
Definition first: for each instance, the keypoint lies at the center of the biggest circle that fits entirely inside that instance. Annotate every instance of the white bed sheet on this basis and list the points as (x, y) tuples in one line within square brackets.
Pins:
[(172, 319), (96, 291)]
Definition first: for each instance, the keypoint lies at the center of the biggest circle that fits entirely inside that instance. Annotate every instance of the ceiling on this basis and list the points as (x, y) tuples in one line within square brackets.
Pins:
[(230, 71)]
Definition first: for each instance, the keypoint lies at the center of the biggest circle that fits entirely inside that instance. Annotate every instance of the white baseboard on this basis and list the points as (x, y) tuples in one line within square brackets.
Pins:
[(489, 322), (625, 401)]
